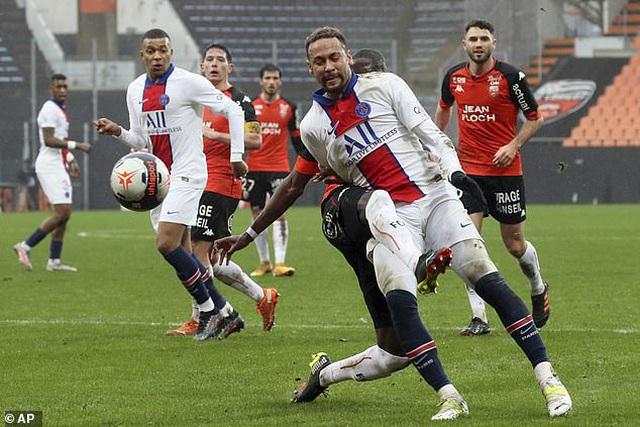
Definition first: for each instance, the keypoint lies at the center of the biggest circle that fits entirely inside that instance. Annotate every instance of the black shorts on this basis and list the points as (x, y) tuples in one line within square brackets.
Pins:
[(256, 186), (215, 214), (344, 230), (505, 197)]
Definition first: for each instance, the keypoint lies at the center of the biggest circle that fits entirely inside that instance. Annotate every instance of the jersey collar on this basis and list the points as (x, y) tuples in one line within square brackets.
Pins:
[(495, 62), (319, 97), (162, 80)]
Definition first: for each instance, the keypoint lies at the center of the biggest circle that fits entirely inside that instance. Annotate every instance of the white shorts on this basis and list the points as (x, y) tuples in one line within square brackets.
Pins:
[(55, 181), (180, 206), (439, 219)]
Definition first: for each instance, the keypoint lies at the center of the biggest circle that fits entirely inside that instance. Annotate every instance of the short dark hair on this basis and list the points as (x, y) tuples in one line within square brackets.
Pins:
[(325, 33), (155, 33), (270, 68), (368, 60), (58, 76), (478, 23), (217, 46)]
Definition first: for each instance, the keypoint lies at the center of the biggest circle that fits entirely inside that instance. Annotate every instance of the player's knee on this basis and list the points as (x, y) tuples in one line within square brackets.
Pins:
[(378, 202), (471, 261), (516, 248), (165, 246)]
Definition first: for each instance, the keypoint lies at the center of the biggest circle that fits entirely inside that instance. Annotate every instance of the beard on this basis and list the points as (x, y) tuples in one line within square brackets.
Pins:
[(473, 56)]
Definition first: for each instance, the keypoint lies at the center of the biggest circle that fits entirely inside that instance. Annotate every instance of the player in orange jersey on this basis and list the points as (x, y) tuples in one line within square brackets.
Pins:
[(269, 165), (220, 200), (490, 94)]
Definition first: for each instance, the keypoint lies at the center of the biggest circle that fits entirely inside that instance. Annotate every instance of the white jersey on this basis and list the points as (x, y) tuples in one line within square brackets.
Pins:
[(52, 115), (166, 116), (366, 137)]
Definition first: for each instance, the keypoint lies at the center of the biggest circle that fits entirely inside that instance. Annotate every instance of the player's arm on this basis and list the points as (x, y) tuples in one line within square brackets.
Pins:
[(523, 98), (252, 135), (442, 117), (443, 110), (74, 169), (50, 140)]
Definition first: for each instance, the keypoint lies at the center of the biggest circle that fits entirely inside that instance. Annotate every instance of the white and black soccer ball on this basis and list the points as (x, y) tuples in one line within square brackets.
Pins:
[(140, 181)]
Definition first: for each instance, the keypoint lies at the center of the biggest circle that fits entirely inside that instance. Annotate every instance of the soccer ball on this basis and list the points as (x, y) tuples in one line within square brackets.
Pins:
[(140, 181)]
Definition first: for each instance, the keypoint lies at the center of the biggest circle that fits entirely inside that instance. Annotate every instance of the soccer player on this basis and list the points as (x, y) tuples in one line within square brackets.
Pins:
[(269, 165), (372, 131), (165, 114), (220, 200), (55, 165), (489, 94)]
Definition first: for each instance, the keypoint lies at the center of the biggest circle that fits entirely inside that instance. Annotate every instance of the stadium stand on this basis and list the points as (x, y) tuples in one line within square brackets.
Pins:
[(627, 22)]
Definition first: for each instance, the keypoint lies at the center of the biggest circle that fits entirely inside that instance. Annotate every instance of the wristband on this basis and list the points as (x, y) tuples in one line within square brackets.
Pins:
[(252, 233), (71, 145)]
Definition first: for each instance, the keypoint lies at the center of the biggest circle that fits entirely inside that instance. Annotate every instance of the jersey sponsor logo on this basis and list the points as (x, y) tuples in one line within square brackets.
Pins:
[(458, 79), (509, 202), (477, 113), (559, 98), (156, 123), (270, 128), (517, 91), (363, 109), (359, 150), (495, 80), (164, 99)]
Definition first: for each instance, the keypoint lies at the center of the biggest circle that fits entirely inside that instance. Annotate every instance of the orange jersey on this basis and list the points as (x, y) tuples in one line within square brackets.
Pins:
[(488, 107), (305, 166), (221, 179), (278, 121)]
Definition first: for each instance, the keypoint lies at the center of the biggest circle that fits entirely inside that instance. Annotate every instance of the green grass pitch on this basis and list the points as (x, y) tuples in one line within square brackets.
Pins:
[(88, 349)]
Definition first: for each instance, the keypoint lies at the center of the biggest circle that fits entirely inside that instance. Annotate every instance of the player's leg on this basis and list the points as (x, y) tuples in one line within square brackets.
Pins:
[(63, 213), (256, 187), (280, 230), (472, 263), (527, 257)]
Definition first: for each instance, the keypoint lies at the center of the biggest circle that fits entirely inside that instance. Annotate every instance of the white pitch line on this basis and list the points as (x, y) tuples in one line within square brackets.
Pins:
[(280, 325)]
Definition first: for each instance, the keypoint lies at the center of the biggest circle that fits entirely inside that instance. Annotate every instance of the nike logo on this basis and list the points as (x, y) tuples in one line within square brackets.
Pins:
[(172, 212), (143, 101), (526, 331), (465, 225), (333, 129)]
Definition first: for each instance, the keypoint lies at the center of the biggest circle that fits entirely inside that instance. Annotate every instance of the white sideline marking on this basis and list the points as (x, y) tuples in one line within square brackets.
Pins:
[(290, 326)]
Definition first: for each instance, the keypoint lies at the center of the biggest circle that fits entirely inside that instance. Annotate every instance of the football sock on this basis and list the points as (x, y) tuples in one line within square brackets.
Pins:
[(207, 279), (477, 305), (371, 364), (530, 266), (231, 274), (190, 276), (262, 245), (415, 339), (514, 316), (55, 249), (280, 240), (35, 238), (388, 229), (195, 310)]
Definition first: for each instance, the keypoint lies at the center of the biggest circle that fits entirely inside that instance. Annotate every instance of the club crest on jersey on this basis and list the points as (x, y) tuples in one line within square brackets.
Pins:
[(164, 99), (363, 109), (493, 91), (284, 109)]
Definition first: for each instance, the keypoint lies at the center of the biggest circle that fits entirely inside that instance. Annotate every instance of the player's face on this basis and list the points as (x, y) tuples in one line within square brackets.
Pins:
[(479, 44), (215, 66), (156, 55), (330, 65), (270, 82), (59, 90)]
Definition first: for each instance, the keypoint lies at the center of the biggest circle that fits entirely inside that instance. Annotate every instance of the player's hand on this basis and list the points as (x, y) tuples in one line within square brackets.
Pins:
[(505, 155), (240, 169), (84, 146), (225, 247), (328, 176), (107, 127), (74, 170), (461, 181), (208, 132)]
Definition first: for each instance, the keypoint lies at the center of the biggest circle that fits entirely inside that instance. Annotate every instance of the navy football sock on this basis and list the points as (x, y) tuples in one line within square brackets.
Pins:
[(188, 273), (514, 316), (207, 278), (36, 237), (415, 338), (55, 249)]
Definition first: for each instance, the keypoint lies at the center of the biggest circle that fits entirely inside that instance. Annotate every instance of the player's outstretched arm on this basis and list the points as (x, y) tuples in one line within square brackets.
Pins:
[(288, 192), (107, 127)]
